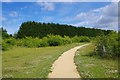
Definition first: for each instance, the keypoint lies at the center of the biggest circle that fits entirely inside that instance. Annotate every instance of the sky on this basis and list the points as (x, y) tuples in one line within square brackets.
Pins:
[(102, 15)]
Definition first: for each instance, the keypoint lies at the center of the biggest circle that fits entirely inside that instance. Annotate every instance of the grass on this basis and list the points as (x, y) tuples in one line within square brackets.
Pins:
[(94, 66), (31, 62), (0, 64)]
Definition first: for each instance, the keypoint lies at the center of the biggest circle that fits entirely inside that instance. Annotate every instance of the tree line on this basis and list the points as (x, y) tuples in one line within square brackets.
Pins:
[(40, 30)]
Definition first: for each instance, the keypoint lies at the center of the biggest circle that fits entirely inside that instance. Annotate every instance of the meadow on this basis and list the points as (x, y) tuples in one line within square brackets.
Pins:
[(93, 66), (31, 55), (21, 62)]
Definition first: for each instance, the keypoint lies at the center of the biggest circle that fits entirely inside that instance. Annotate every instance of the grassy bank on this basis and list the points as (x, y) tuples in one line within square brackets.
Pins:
[(94, 66), (31, 62)]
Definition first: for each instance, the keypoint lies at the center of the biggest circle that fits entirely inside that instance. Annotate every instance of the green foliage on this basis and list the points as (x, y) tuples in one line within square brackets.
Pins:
[(81, 39), (4, 46), (8, 43), (29, 42), (75, 39), (44, 42), (49, 40), (54, 40), (67, 40), (37, 29), (84, 39), (4, 33), (107, 46)]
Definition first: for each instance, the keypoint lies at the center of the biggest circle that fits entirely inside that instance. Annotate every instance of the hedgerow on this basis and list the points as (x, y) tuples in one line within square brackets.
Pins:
[(49, 40), (81, 39)]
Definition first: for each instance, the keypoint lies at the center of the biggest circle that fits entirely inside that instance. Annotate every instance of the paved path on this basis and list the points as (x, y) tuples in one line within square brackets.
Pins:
[(64, 66)]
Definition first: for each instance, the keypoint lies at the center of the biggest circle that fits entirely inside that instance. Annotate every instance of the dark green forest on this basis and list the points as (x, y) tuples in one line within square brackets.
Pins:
[(38, 29)]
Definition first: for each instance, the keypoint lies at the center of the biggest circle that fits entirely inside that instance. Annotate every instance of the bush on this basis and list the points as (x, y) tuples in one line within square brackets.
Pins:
[(80, 39), (5, 46), (20, 42), (67, 40), (44, 42), (84, 39), (100, 46), (75, 39), (54, 40), (37, 42), (49, 40), (107, 46), (31, 42), (10, 41)]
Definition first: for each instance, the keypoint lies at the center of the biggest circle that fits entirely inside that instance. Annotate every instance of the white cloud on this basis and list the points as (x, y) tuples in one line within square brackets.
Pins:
[(110, 10), (6, 0), (78, 0), (60, 0), (49, 6), (104, 18), (115, 0), (13, 14), (87, 16)]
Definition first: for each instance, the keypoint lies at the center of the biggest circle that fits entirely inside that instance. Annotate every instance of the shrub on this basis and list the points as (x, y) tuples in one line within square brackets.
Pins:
[(107, 46), (100, 46), (20, 42), (67, 40), (75, 39), (10, 41), (54, 40), (37, 42), (80, 39), (49, 40), (84, 39), (44, 42), (5, 46)]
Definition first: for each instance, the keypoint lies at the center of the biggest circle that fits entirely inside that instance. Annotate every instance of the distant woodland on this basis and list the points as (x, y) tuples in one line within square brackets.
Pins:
[(37, 29)]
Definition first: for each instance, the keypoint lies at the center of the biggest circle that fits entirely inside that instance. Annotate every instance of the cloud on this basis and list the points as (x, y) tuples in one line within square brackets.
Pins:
[(103, 18), (110, 10), (13, 14), (115, 0), (6, 0), (78, 0), (59, 0), (49, 6)]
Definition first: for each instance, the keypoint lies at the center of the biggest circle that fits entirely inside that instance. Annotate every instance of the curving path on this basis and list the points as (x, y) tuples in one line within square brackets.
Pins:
[(64, 66)]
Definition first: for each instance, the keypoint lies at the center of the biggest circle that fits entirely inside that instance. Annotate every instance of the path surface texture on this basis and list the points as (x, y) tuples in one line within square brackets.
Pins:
[(64, 66)]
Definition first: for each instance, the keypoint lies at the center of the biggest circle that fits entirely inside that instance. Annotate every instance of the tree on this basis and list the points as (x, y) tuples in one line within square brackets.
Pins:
[(35, 29), (3, 33)]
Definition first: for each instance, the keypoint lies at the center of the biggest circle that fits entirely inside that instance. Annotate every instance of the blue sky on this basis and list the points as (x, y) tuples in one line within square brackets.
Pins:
[(101, 15)]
